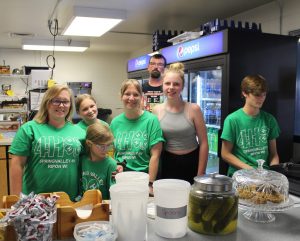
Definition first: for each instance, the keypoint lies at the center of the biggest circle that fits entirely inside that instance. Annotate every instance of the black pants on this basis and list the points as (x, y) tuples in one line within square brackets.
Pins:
[(183, 167)]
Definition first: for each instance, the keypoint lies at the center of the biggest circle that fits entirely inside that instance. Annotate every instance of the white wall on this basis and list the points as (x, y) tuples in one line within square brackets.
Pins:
[(269, 16), (105, 70), (146, 50)]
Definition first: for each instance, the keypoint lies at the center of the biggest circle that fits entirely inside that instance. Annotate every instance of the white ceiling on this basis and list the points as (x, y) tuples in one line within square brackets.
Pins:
[(143, 18)]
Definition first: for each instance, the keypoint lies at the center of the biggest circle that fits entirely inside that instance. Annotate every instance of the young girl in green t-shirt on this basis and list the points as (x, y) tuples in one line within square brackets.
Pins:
[(97, 166)]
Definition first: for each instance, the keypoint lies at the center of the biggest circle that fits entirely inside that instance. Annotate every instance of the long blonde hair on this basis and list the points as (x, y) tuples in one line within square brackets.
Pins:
[(42, 115)]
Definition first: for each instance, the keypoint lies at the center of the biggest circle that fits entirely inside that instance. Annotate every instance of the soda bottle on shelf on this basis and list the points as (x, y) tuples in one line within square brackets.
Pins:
[(206, 112), (218, 113), (212, 88), (203, 84), (218, 89), (212, 113), (209, 138), (208, 89), (216, 140)]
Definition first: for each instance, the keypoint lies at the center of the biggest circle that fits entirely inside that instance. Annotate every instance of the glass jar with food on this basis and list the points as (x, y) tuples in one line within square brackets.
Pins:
[(213, 205)]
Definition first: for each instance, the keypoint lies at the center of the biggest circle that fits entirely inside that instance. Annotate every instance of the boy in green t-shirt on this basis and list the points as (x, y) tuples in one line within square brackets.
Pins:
[(249, 133)]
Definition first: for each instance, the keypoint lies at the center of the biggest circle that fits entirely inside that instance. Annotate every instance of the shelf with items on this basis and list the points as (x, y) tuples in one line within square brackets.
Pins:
[(13, 108), (213, 153), (8, 129), (213, 126), (13, 85), (211, 99), (4, 98), (13, 76)]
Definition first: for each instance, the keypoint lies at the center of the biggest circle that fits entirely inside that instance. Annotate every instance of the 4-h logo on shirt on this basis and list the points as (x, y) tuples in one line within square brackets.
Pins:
[(255, 137), (132, 140)]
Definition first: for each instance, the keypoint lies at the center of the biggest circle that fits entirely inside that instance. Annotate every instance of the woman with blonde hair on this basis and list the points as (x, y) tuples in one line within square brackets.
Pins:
[(186, 148), (138, 136), (45, 151)]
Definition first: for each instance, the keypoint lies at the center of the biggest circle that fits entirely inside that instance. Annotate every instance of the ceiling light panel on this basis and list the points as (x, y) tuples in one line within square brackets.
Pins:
[(93, 22), (60, 45)]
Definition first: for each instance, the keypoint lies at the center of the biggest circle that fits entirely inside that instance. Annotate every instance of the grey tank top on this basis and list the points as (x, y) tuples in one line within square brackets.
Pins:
[(179, 131)]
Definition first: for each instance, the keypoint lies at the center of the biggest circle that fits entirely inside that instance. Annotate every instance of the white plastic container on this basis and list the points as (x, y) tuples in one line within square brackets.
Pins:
[(129, 211), (94, 230), (133, 177), (171, 199)]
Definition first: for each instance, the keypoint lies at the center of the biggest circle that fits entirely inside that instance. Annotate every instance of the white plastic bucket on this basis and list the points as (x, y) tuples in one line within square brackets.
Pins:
[(129, 211), (171, 199), (133, 177)]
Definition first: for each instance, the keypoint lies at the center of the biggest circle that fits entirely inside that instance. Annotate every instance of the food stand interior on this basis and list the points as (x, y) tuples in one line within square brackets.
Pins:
[(106, 68)]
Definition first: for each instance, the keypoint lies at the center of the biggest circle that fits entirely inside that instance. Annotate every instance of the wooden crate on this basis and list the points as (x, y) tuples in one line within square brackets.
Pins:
[(67, 217)]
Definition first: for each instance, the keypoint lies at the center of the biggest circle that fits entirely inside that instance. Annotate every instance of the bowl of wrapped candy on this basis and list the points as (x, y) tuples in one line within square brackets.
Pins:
[(33, 217)]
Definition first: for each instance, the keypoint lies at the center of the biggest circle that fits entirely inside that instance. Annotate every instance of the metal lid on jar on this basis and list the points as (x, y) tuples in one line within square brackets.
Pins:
[(213, 182)]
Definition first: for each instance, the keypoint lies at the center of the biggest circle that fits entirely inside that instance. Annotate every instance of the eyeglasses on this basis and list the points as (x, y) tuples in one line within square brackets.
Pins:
[(157, 64), (58, 102), (104, 147)]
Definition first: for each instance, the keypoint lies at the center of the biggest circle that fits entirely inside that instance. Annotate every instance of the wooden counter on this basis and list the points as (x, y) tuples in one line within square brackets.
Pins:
[(4, 168)]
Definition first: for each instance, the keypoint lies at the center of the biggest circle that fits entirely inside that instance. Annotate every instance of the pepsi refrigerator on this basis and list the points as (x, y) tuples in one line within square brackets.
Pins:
[(215, 65), (137, 68)]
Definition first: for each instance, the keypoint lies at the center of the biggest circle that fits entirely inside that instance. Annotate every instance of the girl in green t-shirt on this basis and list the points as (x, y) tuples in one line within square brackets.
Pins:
[(138, 136), (97, 166), (86, 108)]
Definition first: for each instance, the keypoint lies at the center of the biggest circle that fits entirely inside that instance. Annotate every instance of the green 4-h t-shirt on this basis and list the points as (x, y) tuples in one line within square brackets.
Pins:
[(98, 175), (135, 138), (84, 125), (250, 136), (52, 157)]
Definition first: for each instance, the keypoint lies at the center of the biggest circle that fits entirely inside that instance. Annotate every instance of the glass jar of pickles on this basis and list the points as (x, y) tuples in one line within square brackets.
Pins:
[(213, 205)]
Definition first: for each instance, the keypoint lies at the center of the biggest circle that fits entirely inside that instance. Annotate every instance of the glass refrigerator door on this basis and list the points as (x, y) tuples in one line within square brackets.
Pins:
[(141, 80), (206, 92)]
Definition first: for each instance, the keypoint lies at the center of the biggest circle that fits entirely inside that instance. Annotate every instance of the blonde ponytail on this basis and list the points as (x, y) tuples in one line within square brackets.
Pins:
[(177, 68)]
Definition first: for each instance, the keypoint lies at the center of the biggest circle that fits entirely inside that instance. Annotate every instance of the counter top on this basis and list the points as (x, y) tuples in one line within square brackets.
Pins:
[(286, 227), (6, 142)]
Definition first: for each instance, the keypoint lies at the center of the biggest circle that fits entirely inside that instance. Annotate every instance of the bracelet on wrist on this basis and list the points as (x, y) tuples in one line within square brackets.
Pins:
[(150, 184)]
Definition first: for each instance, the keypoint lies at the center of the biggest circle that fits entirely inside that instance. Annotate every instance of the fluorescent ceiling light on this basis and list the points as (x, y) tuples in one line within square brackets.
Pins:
[(93, 22), (60, 45)]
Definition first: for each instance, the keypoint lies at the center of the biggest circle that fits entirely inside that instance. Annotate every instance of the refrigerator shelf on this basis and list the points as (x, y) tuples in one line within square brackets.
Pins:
[(213, 126), (212, 99)]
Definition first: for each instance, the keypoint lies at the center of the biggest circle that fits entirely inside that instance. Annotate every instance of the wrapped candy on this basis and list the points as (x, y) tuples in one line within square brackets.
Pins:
[(33, 217)]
